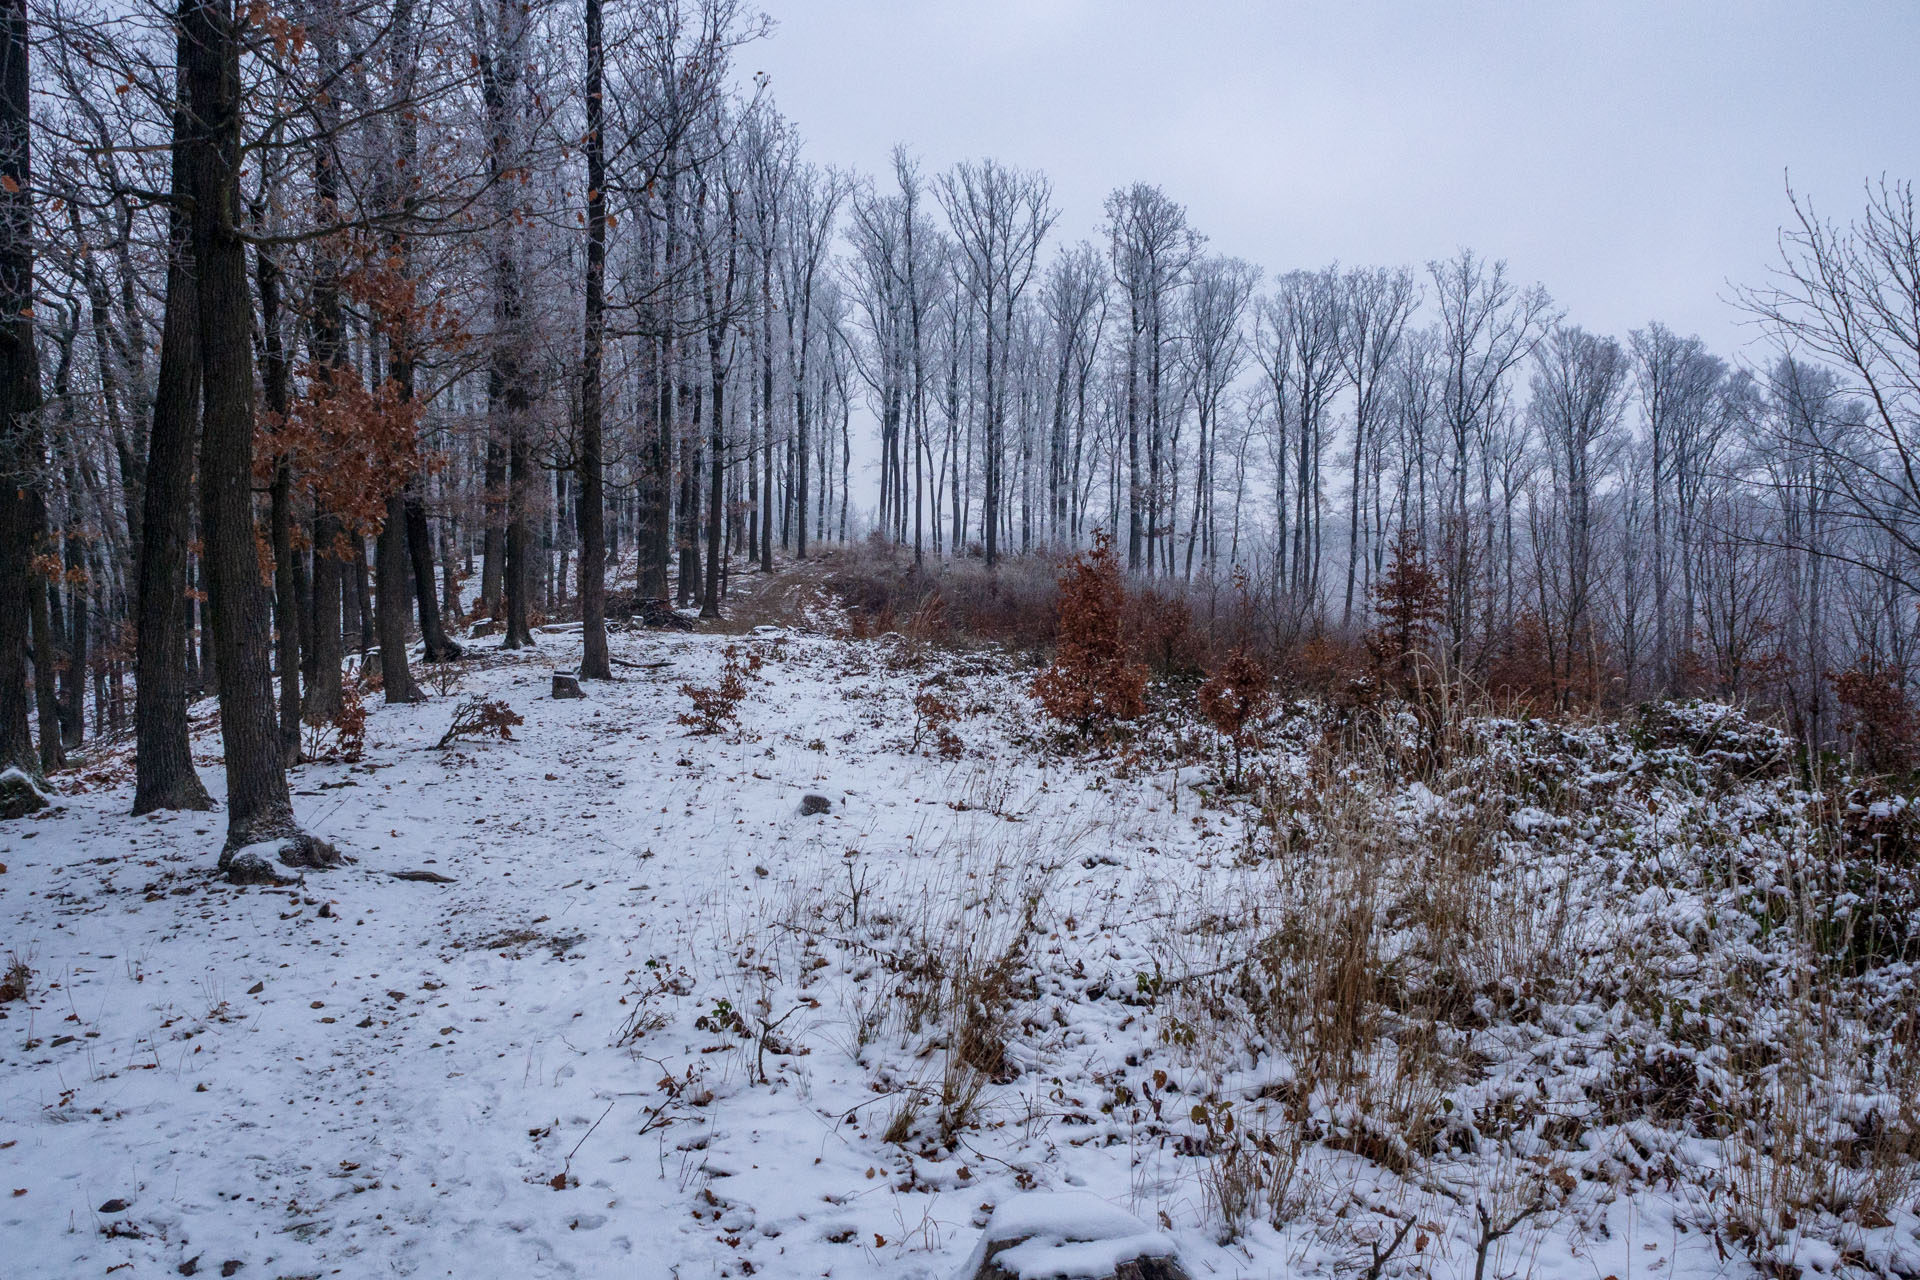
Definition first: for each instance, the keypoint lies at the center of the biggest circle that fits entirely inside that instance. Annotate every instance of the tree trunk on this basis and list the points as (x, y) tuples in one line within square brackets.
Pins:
[(47, 703), (258, 805), (164, 764), (329, 580), (433, 630), (594, 662), (20, 500), (396, 591)]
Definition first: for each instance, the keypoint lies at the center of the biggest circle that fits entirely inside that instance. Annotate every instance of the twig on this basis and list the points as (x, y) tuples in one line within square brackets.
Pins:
[(568, 1167)]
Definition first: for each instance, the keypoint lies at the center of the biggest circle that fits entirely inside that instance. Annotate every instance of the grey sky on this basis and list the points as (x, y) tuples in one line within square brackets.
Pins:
[(1629, 156)]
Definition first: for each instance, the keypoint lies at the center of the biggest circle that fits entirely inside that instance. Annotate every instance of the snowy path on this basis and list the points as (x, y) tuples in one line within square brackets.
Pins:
[(400, 1078)]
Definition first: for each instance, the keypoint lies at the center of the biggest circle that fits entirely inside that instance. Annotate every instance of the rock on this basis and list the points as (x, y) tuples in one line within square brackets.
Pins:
[(810, 805), (566, 685), (115, 1205), (1069, 1236), (20, 795), (424, 877)]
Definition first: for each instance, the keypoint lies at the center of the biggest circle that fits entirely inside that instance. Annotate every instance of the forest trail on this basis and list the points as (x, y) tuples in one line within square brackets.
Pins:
[(793, 595)]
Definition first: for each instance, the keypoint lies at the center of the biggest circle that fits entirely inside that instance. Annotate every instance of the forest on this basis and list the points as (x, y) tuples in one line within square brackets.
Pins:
[(360, 357)]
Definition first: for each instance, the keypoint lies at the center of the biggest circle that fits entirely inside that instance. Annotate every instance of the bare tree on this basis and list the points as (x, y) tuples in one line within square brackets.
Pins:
[(999, 217), (1488, 326), (1218, 292), (1374, 309), (1852, 296), (1580, 389), (1150, 246)]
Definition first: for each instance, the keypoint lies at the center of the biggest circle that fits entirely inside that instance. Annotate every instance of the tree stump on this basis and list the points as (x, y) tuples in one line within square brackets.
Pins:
[(1070, 1234)]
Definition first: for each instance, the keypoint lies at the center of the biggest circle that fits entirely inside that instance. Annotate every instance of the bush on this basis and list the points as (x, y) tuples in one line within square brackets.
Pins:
[(341, 736), (958, 599), (1161, 625), (1091, 683), (1410, 603), (477, 718), (1234, 698), (933, 717), (1879, 717), (717, 706)]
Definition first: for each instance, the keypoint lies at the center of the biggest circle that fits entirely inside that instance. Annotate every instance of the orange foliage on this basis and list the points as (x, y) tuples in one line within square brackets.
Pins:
[(352, 446), (1520, 668), (1234, 698), (1880, 717), (1162, 629), (1091, 683), (1410, 602)]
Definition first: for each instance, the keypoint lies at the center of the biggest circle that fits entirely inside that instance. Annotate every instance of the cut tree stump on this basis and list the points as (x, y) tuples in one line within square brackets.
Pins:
[(19, 794), (566, 684), (1070, 1233)]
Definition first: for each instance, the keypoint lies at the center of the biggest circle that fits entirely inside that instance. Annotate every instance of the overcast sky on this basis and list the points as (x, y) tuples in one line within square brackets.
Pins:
[(1630, 156)]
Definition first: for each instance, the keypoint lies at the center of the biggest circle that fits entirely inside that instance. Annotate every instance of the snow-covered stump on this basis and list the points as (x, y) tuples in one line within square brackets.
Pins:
[(566, 684), (19, 794), (1069, 1236), (253, 864)]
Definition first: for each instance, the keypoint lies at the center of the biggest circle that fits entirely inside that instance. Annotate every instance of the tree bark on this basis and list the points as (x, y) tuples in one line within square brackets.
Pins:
[(20, 499), (276, 384), (390, 608), (258, 805), (594, 662)]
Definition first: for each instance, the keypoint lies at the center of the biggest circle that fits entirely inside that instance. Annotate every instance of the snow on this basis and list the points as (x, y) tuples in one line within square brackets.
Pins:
[(1066, 1235), (662, 1024)]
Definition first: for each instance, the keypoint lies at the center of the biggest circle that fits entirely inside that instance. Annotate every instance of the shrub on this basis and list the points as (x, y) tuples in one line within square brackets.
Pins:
[(1410, 603), (1161, 625), (17, 982), (1879, 717), (341, 736), (477, 718), (933, 717), (1234, 698), (1520, 668), (1328, 663), (717, 706), (1091, 683)]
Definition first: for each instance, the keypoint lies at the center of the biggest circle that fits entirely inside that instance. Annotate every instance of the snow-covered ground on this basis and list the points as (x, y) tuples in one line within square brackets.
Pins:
[(661, 1022)]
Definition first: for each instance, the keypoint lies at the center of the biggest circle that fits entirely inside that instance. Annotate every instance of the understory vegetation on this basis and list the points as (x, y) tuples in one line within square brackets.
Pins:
[(1450, 980)]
